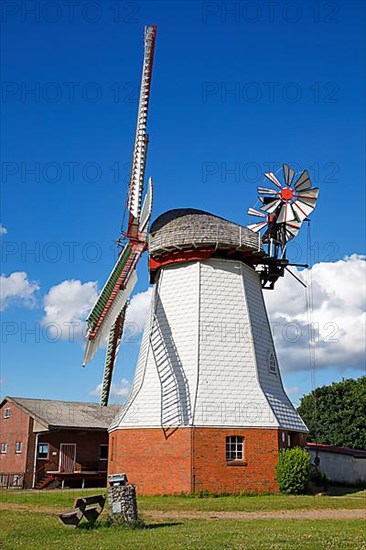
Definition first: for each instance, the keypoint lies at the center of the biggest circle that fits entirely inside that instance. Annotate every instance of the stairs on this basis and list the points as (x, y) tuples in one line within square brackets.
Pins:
[(46, 481)]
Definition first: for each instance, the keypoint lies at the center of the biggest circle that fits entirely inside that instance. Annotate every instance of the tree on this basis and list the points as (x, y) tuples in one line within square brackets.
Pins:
[(336, 414)]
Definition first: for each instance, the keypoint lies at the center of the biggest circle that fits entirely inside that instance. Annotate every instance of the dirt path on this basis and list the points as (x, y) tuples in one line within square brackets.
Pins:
[(327, 513), (31, 508)]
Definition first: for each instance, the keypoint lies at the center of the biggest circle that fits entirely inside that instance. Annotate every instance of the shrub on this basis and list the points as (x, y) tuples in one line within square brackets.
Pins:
[(293, 470)]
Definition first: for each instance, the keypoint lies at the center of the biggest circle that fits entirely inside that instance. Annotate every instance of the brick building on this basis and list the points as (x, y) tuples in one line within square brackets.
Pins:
[(207, 409), (44, 443)]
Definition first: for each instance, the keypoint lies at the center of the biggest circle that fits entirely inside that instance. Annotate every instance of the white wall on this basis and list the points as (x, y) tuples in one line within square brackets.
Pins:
[(341, 468), (204, 355)]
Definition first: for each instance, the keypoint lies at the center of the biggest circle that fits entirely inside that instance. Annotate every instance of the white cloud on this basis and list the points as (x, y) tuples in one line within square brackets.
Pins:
[(338, 318), (3, 230), (294, 394), (17, 289), (292, 390), (138, 309), (66, 306), (96, 391), (118, 391)]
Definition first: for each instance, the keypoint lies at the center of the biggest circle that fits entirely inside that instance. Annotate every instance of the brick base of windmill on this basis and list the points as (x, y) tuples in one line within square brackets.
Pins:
[(193, 460)]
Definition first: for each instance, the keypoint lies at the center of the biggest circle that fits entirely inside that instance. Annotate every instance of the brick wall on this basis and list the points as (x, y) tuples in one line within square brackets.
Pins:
[(256, 473), (194, 459), (154, 464), (12, 430)]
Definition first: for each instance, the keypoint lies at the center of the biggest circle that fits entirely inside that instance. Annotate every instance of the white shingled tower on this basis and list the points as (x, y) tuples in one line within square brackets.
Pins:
[(207, 393)]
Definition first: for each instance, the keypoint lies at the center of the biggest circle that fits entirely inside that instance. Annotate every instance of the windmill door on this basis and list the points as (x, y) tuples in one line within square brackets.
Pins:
[(67, 457)]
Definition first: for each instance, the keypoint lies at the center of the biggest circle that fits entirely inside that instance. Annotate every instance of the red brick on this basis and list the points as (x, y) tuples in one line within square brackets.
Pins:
[(194, 459)]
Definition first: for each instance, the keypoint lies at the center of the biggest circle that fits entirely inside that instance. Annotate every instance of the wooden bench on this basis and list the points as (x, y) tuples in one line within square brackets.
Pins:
[(88, 507)]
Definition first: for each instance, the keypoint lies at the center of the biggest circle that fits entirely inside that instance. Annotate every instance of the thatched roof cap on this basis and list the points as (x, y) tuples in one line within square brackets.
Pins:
[(189, 229)]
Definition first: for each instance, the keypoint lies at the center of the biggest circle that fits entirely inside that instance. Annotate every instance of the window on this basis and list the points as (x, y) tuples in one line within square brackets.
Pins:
[(4, 448), (112, 450), (288, 440), (283, 437), (18, 447), (7, 413), (272, 364), (103, 454), (234, 448), (43, 450)]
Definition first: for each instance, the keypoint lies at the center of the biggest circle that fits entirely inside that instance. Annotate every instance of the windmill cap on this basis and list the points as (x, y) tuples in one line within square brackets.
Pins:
[(185, 230)]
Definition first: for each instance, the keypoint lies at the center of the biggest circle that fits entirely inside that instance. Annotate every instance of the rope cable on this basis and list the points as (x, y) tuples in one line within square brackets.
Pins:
[(311, 327)]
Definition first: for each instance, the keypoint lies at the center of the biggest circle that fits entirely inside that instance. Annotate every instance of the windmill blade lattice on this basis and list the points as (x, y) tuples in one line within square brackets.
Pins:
[(287, 206), (114, 342), (106, 318)]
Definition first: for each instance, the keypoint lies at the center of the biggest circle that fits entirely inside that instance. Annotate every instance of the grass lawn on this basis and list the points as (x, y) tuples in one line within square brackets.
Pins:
[(59, 499), (33, 530), (28, 521)]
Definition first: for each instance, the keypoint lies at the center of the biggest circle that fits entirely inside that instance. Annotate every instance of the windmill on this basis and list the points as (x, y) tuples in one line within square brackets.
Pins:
[(107, 316), (283, 211), (207, 392)]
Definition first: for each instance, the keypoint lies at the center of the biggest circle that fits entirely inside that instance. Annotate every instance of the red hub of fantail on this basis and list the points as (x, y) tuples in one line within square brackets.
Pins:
[(287, 193)]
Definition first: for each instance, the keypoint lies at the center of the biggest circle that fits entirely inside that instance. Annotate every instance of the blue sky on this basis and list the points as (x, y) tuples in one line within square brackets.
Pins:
[(238, 87)]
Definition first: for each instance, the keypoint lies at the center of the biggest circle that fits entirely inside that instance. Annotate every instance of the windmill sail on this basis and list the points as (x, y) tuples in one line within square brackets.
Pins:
[(108, 292), (106, 318), (114, 342), (136, 184), (289, 174), (271, 176), (146, 207)]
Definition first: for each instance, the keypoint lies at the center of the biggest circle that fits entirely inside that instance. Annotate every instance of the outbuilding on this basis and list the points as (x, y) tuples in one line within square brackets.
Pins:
[(46, 443), (340, 464)]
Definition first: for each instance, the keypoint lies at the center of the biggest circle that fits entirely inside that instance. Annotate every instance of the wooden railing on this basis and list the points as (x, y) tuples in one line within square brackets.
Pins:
[(95, 466)]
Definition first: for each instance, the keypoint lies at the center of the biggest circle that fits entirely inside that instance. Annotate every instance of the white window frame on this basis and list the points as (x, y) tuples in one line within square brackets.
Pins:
[(7, 412), (4, 448), (48, 451), (100, 451), (234, 446), (18, 447)]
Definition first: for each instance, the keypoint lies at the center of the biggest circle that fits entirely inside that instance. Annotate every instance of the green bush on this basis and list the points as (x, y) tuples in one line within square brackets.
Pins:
[(293, 470)]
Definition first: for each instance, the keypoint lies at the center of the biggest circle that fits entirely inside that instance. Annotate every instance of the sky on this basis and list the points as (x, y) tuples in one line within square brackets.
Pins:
[(238, 88)]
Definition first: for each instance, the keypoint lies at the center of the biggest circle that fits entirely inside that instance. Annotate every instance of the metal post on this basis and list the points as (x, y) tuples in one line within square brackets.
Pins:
[(35, 462)]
